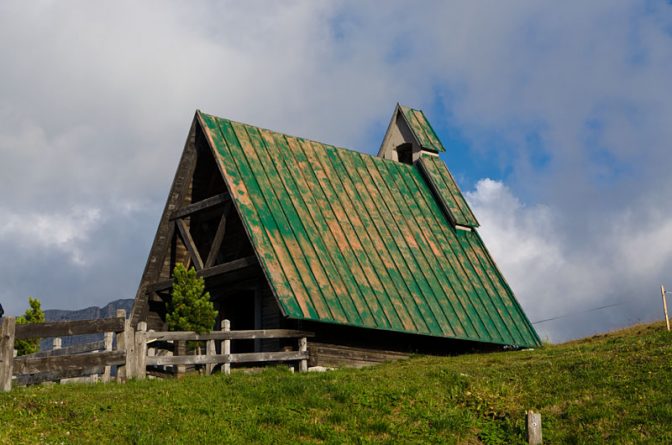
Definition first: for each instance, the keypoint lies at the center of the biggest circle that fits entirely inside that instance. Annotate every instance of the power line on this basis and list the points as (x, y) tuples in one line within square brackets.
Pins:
[(577, 313)]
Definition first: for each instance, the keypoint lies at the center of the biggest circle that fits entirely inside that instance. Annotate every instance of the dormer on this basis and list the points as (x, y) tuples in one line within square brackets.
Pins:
[(409, 136)]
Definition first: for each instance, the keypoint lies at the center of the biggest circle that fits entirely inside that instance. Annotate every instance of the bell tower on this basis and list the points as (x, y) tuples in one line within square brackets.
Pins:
[(408, 137)]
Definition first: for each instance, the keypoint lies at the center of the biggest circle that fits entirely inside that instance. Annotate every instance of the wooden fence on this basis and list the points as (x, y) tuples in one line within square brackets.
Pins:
[(225, 357), (133, 352)]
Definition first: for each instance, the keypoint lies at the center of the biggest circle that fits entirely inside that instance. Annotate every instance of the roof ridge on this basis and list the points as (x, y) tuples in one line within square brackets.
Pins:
[(300, 138)]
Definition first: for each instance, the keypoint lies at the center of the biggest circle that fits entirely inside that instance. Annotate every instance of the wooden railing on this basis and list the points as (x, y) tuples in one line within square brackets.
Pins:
[(55, 364), (132, 354), (225, 336)]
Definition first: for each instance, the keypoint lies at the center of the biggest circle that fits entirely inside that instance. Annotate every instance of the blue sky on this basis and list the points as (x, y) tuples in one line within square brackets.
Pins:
[(555, 116)]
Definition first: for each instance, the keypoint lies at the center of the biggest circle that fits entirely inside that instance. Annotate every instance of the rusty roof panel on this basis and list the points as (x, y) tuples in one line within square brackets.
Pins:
[(422, 129), (446, 189), (353, 239)]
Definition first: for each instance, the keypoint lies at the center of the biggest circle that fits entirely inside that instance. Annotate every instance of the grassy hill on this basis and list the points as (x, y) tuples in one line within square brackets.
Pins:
[(612, 388)]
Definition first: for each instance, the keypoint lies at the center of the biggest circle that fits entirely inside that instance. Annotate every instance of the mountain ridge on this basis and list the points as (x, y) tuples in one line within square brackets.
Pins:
[(89, 313)]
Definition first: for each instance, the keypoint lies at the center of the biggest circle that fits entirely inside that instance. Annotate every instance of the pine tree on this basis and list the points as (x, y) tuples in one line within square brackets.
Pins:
[(34, 314), (190, 308)]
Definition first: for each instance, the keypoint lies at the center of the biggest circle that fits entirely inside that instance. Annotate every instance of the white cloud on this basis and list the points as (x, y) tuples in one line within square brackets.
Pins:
[(554, 275), (65, 232), (523, 239)]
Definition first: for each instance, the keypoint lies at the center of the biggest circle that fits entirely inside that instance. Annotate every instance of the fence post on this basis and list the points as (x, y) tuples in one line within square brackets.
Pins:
[(533, 429), (125, 342), (107, 371), (303, 347), (667, 318), (141, 351), (210, 350), (151, 352), (56, 344), (7, 331), (180, 349), (226, 347), (131, 358)]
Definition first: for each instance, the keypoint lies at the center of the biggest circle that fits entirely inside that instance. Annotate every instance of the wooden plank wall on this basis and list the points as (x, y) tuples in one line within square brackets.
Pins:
[(336, 356)]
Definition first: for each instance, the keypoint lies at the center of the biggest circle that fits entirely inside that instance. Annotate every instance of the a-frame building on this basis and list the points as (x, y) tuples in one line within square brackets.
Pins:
[(369, 252)]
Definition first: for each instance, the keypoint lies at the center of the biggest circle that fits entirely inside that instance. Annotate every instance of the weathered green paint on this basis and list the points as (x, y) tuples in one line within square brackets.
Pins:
[(281, 208), (343, 206), (351, 239), (432, 245), (344, 295), (447, 236), (397, 250), (444, 185), (393, 287), (422, 129)]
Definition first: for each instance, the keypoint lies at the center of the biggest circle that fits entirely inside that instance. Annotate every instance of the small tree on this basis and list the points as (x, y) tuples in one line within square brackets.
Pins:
[(34, 314), (190, 308)]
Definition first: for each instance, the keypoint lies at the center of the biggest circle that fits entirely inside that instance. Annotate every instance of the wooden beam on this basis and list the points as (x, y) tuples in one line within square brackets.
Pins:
[(40, 377), (231, 266), (204, 204), (219, 269), (61, 363), (189, 244), (65, 328), (70, 350), (227, 335), (219, 237), (163, 360), (250, 357)]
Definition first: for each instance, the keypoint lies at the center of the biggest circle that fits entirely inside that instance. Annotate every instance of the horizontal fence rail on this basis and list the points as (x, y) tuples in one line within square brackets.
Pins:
[(228, 335), (70, 350), (67, 362), (245, 357), (67, 328), (135, 350)]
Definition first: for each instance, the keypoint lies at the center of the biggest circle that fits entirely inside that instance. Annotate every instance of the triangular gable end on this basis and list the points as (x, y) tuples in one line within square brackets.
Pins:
[(409, 135), (199, 227)]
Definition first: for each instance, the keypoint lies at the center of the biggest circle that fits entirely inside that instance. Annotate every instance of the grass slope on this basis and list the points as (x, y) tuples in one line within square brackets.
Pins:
[(612, 388)]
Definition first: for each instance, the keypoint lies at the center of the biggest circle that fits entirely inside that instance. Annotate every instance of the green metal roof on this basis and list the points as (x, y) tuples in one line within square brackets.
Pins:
[(422, 129), (349, 238), (443, 184)]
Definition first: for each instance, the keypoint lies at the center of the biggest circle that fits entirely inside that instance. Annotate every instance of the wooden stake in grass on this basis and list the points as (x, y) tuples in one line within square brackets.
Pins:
[(534, 428), (667, 318)]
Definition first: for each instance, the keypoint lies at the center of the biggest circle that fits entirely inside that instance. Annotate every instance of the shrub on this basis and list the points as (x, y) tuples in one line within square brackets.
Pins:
[(190, 308), (34, 314)]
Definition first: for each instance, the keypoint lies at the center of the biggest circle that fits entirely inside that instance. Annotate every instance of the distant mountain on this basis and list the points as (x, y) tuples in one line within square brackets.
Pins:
[(90, 313)]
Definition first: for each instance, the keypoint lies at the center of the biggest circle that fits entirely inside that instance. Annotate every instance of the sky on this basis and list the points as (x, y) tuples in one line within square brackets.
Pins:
[(556, 116)]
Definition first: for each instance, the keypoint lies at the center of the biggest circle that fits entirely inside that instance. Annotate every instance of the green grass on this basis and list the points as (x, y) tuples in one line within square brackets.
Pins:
[(612, 388)]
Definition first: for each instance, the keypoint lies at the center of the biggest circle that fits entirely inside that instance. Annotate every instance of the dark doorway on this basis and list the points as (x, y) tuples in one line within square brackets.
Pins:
[(405, 153), (239, 308)]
